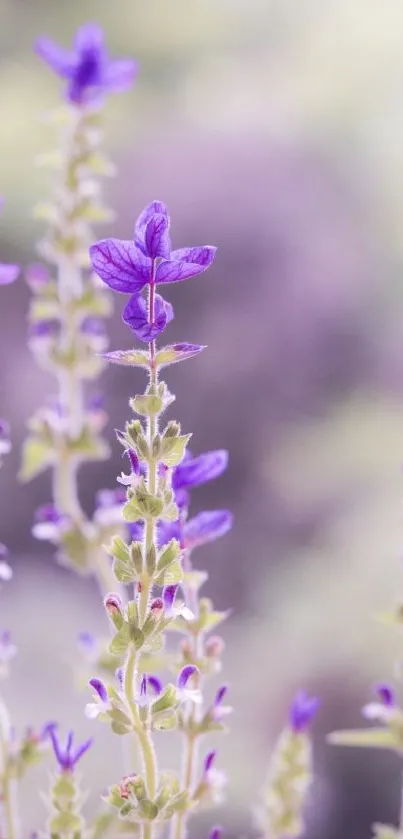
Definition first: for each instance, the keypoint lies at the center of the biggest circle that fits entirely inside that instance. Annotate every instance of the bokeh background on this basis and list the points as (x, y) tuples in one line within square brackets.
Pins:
[(274, 129)]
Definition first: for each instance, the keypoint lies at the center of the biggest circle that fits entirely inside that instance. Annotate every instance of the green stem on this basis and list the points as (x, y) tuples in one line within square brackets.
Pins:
[(189, 768)]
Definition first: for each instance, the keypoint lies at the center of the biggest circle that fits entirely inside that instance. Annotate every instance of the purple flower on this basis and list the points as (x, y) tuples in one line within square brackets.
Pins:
[(216, 832), (302, 711), (209, 761), (218, 710), (49, 523), (383, 710), (135, 314), (8, 650), (101, 704), (128, 266), (87, 69), (194, 471), (66, 756), (185, 692), (147, 683), (206, 527), (88, 645)]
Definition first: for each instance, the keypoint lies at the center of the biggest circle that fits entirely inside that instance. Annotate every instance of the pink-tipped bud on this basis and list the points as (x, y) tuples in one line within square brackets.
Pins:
[(124, 786), (114, 607), (113, 604), (214, 647), (157, 608)]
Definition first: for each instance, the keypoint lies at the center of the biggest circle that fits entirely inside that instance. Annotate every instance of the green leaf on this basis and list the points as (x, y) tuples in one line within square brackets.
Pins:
[(379, 738), (173, 449), (121, 641), (171, 575), (168, 555), (176, 352), (147, 405), (36, 457), (148, 809), (166, 722), (128, 358), (124, 573)]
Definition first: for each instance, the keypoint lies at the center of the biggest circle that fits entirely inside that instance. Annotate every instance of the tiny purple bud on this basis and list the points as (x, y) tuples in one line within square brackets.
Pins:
[(113, 604), (37, 276), (100, 689), (302, 711), (157, 608)]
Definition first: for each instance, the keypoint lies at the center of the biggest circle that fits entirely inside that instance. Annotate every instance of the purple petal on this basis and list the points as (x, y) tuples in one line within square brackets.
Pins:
[(56, 744), (119, 75), (220, 695), (134, 461), (206, 527), (208, 761), (121, 265), (198, 470), (156, 237), (59, 59), (81, 751), (135, 314), (155, 684), (146, 216), (216, 832), (8, 273), (100, 689), (136, 529), (48, 513), (202, 256), (143, 686), (185, 674), (302, 711), (89, 36), (167, 530), (172, 271), (168, 596)]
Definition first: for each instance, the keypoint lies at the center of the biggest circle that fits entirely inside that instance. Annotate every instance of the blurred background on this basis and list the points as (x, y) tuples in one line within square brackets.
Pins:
[(274, 129)]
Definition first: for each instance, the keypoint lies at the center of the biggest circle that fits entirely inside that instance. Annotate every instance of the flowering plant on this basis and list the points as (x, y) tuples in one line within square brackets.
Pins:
[(140, 542)]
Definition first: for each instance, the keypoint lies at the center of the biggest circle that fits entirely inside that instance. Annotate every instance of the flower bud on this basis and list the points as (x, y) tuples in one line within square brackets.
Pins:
[(114, 607)]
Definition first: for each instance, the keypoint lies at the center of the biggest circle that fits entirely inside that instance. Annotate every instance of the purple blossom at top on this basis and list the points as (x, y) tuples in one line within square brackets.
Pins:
[(302, 711), (87, 68), (128, 266), (66, 756), (8, 273)]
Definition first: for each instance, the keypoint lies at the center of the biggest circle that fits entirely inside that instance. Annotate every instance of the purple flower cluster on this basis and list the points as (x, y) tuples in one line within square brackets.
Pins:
[(205, 526), (147, 261), (89, 72)]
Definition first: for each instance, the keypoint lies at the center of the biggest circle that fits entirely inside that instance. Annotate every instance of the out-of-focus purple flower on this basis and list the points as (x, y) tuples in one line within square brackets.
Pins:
[(135, 314), (37, 276), (88, 645), (384, 709), (49, 523), (42, 330), (302, 711), (66, 756), (109, 504), (194, 471), (89, 72), (128, 266), (218, 710), (206, 527), (186, 692)]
